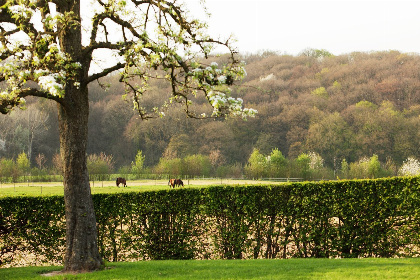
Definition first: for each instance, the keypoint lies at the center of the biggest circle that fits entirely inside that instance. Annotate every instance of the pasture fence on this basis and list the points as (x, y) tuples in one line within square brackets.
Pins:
[(285, 180)]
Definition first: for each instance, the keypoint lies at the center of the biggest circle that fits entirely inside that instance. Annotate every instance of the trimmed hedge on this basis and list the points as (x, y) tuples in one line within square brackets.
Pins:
[(362, 218)]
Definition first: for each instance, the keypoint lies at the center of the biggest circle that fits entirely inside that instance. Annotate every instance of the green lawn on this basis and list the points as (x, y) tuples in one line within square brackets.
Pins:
[(240, 269)]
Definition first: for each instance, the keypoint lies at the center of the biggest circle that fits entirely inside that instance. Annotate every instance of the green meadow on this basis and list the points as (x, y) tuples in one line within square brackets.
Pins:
[(56, 188), (333, 269)]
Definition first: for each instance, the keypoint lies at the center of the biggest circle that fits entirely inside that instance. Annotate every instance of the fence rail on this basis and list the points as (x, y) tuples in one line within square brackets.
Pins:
[(283, 179)]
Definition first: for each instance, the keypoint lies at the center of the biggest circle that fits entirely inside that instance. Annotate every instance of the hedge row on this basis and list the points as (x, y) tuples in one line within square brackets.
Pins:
[(363, 218)]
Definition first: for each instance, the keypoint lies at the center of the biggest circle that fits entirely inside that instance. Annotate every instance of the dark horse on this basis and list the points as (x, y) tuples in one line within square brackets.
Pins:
[(175, 182), (121, 181)]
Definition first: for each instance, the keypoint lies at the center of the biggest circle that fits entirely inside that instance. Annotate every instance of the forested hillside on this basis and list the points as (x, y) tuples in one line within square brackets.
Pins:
[(341, 107)]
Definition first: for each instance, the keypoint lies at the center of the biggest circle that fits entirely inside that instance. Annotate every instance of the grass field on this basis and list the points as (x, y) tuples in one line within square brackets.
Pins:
[(34, 189), (334, 269)]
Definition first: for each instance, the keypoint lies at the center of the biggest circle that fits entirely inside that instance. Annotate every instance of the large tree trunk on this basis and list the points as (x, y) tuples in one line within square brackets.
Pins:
[(82, 252)]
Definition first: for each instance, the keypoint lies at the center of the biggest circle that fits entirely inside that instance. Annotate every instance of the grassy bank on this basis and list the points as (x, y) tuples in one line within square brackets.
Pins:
[(240, 269)]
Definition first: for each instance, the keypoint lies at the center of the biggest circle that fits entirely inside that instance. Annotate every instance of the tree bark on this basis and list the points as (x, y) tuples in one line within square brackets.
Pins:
[(82, 252)]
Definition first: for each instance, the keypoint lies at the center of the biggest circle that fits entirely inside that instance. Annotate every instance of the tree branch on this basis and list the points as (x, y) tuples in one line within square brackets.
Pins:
[(105, 72), (5, 16), (6, 105), (87, 51), (97, 20)]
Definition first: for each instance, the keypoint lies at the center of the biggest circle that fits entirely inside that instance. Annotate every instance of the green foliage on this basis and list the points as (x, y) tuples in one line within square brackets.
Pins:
[(196, 165), (361, 218), (32, 225), (374, 167), (100, 166), (366, 168), (316, 53), (152, 225), (344, 169), (359, 169), (137, 166), (257, 164), (192, 165), (23, 164), (337, 85), (169, 166), (278, 164), (353, 123), (320, 92), (331, 137), (303, 164), (8, 168)]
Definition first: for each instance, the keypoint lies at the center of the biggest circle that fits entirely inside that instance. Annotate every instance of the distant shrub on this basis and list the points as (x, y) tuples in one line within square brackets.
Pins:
[(410, 167)]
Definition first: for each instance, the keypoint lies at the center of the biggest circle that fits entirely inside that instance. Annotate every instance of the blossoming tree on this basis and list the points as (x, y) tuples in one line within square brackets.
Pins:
[(47, 49), (410, 167)]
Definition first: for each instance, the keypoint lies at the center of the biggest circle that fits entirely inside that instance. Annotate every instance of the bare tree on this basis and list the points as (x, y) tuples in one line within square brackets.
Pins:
[(40, 161), (47, 50), (34, 120)]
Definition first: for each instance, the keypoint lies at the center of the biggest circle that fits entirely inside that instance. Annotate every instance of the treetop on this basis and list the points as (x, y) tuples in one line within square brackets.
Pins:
[(50, 48)]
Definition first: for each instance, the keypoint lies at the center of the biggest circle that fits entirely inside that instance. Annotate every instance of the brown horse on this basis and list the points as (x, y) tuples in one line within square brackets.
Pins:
[(175, 182), (179, 182), (171, 183), (121, 181)]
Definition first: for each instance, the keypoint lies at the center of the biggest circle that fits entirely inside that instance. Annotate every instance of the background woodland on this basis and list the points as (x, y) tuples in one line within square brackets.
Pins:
[(345, 109)]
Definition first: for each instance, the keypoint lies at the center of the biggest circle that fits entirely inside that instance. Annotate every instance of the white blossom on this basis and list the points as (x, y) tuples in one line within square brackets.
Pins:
[(50, 84), (21, 10), (267, 78), (221, 79), (27, 55), (233, 106), (36, 60), (410, 167), (317, 161), (47, 37), (23, 74), (52, 20), (243, 71), (41, 72)]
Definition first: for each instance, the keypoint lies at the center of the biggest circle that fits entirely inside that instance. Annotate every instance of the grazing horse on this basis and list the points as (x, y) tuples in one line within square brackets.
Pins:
[(179, 182), (175, 182), (171, 183), (121, 181)]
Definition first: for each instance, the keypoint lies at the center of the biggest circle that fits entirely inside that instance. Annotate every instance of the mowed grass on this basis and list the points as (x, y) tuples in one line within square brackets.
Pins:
[(239, 269), (56, 188)]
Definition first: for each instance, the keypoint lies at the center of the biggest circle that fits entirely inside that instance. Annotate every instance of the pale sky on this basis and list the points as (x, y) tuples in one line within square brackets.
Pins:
[(339, 26)]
